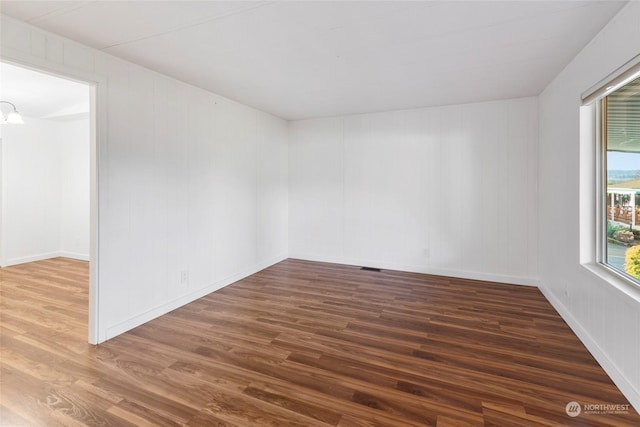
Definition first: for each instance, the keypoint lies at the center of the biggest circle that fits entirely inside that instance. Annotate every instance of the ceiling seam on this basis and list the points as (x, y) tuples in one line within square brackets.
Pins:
[(191, 24), (61, 11)]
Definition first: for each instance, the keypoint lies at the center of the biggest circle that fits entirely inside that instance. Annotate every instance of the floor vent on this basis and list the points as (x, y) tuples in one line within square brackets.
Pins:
[(370, 269)]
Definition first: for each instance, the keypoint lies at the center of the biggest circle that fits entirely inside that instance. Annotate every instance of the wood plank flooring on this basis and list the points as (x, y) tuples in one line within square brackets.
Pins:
[(298, 344)]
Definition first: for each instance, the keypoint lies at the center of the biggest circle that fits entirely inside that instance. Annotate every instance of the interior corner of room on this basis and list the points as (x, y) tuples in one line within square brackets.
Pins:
[(45, 168)]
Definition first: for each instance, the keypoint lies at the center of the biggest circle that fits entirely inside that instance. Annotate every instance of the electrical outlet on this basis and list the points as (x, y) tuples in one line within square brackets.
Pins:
[(184, 277)]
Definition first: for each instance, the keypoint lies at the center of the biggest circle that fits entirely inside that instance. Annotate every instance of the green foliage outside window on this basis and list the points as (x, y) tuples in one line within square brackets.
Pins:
[(632, 264), (612, 228)]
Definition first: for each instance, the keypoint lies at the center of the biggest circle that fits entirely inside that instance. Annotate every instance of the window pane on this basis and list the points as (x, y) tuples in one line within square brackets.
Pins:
[(622, 143)]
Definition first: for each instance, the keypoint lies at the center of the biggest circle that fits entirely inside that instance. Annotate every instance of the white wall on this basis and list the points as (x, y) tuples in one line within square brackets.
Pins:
[(605, 317), (191, 185), (31, 191), (449, 190), (74, 188), (46, 190)]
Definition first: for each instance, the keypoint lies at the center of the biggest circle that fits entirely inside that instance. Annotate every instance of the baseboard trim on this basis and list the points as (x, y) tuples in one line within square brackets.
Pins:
[(512, 280), (30, 258), (41, 257), (74, 255), (119, 328), (625, 386)]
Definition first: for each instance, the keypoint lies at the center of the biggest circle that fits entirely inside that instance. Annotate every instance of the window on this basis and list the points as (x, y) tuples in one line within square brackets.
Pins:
[(620, 137)]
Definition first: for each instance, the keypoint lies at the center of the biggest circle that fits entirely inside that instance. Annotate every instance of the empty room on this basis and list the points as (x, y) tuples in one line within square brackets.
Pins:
[(320, 213)]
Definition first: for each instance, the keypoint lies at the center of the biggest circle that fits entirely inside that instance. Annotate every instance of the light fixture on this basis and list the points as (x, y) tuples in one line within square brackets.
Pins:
[(13, 117)]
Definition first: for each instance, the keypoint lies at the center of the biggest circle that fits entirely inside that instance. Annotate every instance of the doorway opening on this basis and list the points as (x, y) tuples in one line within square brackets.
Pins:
[(48, 194)]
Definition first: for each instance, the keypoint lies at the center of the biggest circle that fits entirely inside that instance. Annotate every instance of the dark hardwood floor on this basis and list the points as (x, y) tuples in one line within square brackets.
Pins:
[(298, 344)]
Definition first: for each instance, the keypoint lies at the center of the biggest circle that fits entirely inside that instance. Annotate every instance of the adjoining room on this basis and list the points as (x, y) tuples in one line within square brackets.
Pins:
[(46, 168)]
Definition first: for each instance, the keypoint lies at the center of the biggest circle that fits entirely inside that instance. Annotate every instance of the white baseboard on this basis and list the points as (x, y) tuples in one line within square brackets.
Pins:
[(40, 257), (119, 328), (74, 255), (30, 258), (625, 386), (512, 280)]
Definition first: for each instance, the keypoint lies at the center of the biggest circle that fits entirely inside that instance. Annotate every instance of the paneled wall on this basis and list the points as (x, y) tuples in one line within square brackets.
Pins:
[(192, 186), (45, 197), (30, 179), (449, 190), (606, 317), (75, 177)]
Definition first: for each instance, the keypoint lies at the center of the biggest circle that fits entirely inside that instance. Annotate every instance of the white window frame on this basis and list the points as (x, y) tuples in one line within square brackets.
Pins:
[(593, 248)]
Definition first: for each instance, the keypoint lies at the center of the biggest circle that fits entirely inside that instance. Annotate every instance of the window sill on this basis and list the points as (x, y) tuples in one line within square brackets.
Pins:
[(615, 279)]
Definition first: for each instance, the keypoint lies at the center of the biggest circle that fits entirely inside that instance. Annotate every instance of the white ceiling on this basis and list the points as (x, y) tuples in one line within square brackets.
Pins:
[(301, 59), (41, 95)]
